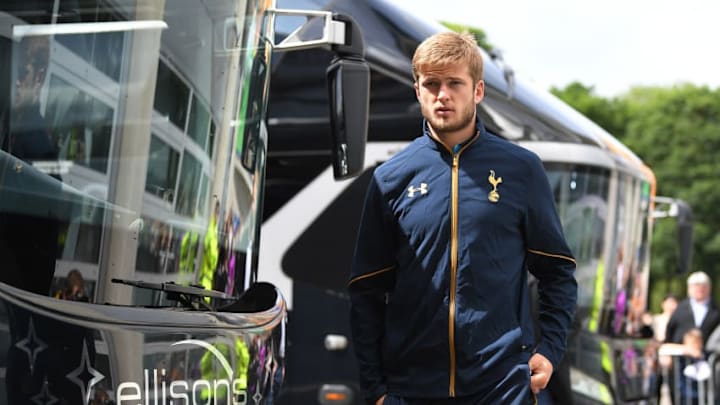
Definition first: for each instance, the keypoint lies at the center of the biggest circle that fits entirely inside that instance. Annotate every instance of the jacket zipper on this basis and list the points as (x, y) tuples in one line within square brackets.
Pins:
[(454, 200), (454, 254), (453, 267)]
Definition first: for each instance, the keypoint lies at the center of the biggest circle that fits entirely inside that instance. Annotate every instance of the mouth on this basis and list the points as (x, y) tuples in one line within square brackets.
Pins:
[(443, 111)]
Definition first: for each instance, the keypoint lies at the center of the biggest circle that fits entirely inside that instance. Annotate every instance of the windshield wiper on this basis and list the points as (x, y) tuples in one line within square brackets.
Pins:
[(191, 296)]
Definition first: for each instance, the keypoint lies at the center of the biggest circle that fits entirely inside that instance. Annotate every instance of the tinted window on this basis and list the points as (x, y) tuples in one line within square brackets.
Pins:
[(581, 196), (106, 131), (171, 96), (162, 170), (199, 123)]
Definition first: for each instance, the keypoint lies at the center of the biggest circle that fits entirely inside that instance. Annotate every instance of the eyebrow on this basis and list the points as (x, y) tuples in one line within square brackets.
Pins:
[(428, 78)]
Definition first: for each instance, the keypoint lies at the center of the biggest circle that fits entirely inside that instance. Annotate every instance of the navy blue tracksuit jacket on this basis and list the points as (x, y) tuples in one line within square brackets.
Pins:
[(439, 279)]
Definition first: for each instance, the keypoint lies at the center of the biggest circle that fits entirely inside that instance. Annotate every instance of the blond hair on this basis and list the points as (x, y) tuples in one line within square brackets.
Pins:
[(447, 48)]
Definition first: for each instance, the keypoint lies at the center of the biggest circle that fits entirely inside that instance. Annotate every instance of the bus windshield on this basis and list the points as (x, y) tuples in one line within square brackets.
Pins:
[(132, 146)]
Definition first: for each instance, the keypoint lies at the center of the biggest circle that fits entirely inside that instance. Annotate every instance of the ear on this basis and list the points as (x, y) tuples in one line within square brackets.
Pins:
[(417, 91), (479, 91)]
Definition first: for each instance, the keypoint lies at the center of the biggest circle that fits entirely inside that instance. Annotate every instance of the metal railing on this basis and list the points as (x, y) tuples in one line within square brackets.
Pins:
[(693, 381)]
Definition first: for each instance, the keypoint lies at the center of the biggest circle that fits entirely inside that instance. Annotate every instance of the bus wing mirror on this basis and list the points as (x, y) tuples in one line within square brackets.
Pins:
[(684, 236), (349, 90), (682, 213), (348, 79)]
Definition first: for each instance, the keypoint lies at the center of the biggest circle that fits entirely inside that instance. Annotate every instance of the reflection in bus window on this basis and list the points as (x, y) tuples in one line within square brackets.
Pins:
[(581, 195), (81, 125), (73, 287), (158, 247), (81, 238), (621, 264), (203, 204), (29, 227), (253, 108), (171, 96), (110, 145), (199, 123), (162, 170), (102, 50), (211, 142), (189, 183)]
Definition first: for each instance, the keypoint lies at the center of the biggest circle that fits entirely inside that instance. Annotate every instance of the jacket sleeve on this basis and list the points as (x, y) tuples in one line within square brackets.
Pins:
[(372, 276), (549, 259), (674, 323)]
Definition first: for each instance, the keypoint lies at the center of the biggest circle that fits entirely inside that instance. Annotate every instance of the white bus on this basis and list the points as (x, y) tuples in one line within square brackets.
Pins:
[(604, 193)]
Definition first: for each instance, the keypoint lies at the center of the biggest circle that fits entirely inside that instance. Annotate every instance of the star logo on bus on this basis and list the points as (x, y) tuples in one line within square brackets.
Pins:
[(31, 345), (44, 397), (85, 376)]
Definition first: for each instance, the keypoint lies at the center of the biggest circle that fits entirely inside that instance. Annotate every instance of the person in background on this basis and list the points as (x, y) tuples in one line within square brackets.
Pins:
[(74, 289), (696, 311), (659, 325), (689, 358), (660, 321), (28, 232)]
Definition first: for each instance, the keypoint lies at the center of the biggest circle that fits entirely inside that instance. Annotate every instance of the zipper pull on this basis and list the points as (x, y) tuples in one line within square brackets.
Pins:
[(456, 154)]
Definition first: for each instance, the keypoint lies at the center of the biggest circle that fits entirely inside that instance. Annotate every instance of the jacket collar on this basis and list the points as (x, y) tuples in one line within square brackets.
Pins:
[(433, 142)]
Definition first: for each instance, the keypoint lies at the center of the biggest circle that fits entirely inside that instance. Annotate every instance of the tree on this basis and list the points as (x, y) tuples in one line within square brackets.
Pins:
[(609, 114), (478, 33), (676, 132)]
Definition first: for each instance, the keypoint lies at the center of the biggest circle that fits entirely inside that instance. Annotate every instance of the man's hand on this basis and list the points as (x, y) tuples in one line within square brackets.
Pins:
[(540, 371), (380, 401)]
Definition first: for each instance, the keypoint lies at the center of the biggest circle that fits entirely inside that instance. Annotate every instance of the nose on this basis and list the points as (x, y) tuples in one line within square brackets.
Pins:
[(443, 93)]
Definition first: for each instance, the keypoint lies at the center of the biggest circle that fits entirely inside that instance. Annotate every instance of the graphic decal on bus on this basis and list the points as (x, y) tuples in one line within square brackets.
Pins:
[(232, 387)]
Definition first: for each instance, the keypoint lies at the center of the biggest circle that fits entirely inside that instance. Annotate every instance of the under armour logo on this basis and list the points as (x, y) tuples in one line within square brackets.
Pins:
[(422, 189)]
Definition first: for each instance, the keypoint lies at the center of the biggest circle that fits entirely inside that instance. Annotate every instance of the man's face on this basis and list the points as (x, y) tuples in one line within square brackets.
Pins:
[(27, 86), (669, 305), (699, 291), (448, 97)]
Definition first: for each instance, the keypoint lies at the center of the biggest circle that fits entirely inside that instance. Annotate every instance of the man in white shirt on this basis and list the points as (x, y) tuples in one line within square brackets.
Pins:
[(696, 311)]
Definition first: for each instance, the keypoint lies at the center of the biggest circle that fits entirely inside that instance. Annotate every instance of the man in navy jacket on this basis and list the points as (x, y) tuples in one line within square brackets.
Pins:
[(451, 225)]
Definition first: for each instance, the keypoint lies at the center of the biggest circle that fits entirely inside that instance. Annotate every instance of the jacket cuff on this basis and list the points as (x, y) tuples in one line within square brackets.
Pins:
[(374, 393), (550, 354)]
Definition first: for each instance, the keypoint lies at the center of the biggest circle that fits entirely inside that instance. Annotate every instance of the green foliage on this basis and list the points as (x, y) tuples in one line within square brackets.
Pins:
[(479, 34), (676, 131), (609, 114)]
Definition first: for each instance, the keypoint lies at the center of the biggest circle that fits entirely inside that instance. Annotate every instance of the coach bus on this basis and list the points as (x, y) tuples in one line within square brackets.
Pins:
[(604, 194), (133, 142)]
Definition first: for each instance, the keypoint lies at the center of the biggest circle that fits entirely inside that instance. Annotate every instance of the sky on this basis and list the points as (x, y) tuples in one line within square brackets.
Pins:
[(610, 44)]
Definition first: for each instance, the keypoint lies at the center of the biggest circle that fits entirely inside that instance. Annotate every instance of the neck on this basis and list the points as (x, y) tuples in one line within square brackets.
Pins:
[(450, 139)]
